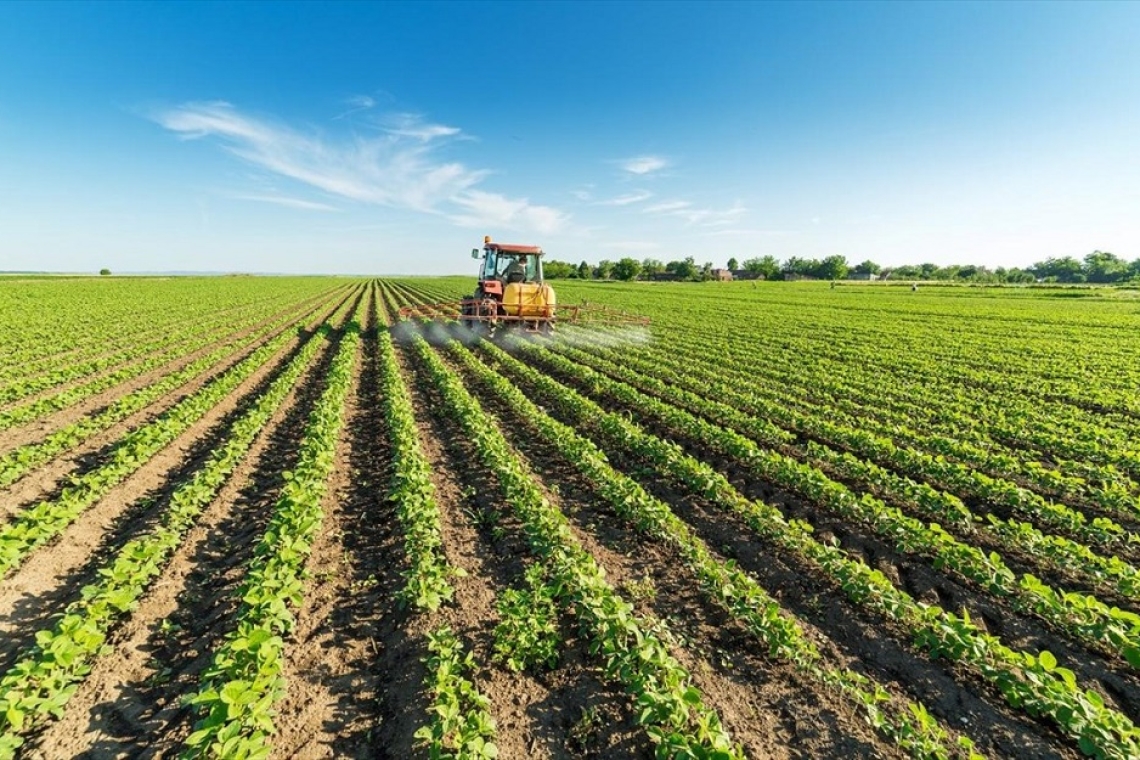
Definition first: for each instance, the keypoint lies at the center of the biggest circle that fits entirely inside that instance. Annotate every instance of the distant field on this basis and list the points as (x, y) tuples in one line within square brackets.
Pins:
[(243, 517)]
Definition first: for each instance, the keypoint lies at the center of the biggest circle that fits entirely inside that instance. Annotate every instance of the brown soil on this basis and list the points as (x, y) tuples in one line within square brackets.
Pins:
[(130, 704), (536, 713), (36, 430), (954, 696), (766, 705), (47, 480)]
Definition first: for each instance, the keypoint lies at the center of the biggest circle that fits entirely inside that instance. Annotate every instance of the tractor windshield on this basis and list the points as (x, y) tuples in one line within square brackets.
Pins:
[(512, 267)]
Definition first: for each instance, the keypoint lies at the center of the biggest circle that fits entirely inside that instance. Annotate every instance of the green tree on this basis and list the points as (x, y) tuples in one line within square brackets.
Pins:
[(584, 271), (801, 267), (558, 270), (627, 269), (686, 270), (767, 266), (604, 270), (733, 265), (104, 272), (832, 268), (1102, 266), (867, 267), (1065, 269), (650, 267)]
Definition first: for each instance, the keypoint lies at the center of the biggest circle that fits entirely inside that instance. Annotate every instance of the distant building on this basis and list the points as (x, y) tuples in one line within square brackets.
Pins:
[(745, 274), (722, 274), (664, 277)]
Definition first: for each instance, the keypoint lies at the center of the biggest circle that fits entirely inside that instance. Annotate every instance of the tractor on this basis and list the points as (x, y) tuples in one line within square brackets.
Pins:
[(512, 295)]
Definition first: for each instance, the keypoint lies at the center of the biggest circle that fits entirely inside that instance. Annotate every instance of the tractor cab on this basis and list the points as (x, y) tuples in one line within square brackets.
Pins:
[(511, 295), (505, 264)]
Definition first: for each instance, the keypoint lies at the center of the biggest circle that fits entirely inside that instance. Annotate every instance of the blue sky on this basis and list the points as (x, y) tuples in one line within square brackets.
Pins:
[(389, 138)]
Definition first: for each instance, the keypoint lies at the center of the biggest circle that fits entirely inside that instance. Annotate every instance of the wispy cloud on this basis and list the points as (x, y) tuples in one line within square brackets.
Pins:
[(411, 125), (704, 217), (667, 207), (642, 165), (398, 168), (631, 246), (489, 210), (583, 194), (282, 200), (751, 232), (356, 104), (627, 199)]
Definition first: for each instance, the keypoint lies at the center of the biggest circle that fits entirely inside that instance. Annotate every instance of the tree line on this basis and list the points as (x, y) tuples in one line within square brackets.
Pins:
[(1097, 267)]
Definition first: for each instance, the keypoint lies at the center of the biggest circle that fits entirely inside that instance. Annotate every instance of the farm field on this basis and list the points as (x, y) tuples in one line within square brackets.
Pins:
[(263, 517)]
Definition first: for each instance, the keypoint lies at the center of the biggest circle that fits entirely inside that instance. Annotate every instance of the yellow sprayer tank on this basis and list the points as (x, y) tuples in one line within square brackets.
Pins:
[(529, 300)]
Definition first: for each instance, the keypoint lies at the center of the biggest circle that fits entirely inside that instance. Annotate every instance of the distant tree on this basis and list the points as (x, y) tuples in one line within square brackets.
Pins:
[(906, 272), (558, 270), (1102, 266), (767, 266), (104, 272), (947, 272), (686, 270), (928, 271), (801, 267), (1134, 269), (1019, 275), (584, 271), (604, 270), (1065, 269), (650, 267), (831, 268), (733, 265), (706, 271), (627, 269), (867, 267)]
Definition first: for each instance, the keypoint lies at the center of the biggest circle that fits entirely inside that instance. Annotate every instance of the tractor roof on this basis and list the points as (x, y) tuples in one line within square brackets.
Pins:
[(514, 248)]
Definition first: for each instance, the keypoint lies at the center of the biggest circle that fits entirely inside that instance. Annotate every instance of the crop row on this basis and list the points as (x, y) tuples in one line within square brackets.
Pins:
[(45, 677), (671, 708), (18, 462), (1032, 682), (152, 359), (68, 322), (43, 521), (908, 724), (125, 363), (244, 680), (949, 432)]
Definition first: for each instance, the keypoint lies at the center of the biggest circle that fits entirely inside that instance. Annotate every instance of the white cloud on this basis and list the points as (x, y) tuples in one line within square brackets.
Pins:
[(642, 165), (704, 217), (282, 200), (492, 210), (411, 125), (397, 168), (740, 231), (632, 246), (356, 104), (666, 207), (628, 198)]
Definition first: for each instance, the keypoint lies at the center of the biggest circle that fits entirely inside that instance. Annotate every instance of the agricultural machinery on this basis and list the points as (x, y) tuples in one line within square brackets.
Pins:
[(512, 295)]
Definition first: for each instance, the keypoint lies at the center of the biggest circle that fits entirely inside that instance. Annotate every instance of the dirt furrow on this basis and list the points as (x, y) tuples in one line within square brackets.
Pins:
[(767, 706), (130, 704), (52, 575), (535, 712), (36, 430), (47, 480)]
